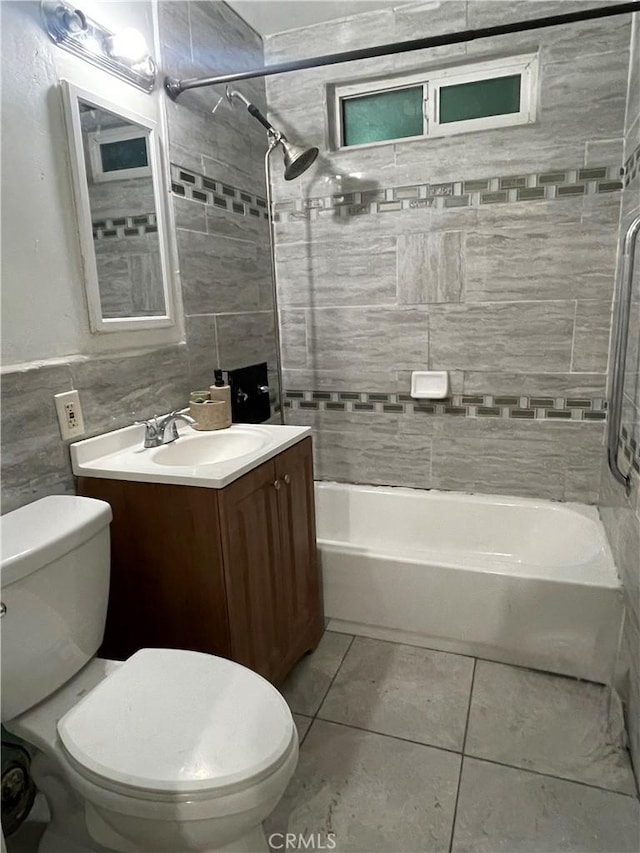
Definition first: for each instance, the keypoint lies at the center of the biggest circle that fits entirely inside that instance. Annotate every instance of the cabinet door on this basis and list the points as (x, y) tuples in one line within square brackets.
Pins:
[(252, 557), (299, 585)]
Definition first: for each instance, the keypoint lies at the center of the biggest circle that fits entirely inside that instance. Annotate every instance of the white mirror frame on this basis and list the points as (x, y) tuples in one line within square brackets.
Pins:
[(71, 95)]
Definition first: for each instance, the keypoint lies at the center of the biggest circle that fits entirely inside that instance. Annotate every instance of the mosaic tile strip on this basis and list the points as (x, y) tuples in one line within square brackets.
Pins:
[(630, 450), (632, 167), (464, 193), (456, 405), (195, 187), (125, 226)]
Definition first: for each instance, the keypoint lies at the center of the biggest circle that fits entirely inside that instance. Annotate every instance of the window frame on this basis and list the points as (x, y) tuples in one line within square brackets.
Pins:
[(525, 65), (97, 138)]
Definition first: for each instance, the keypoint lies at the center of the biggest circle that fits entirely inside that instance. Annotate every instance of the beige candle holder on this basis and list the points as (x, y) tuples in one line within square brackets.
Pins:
[(212, 414)]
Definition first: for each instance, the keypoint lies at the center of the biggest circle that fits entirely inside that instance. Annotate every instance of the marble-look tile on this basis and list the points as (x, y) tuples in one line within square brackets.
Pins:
[(591, 337), (582, 461), (601, 151), (431, 267), (245, 339), (35, 461), (341, 272), (293, 338), (236, 226), (306, 686), (119, 389), (555, 260), (302, 725), (371, 453), (202, 347), (246, 176), (526, 336), (600, 81), (504, 810), (633, 90), (219, 275), (591, 385), (347, 33), (189, 215), (497, 465), (550, 724), (575, 41), (412, 693), (361, 338), (369, 792)]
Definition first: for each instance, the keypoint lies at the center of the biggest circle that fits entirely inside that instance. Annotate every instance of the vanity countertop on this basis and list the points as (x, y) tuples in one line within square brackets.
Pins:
[(197, 458)]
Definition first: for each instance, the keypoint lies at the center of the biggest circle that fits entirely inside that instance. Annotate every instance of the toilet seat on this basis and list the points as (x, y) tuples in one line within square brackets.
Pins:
[(171, 723)]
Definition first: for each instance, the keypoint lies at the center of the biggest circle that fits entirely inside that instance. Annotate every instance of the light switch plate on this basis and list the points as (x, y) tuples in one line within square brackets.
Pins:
[(69, 414)]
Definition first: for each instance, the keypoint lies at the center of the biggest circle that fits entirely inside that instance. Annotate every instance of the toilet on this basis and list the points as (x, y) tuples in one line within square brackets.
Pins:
[(170, 750)]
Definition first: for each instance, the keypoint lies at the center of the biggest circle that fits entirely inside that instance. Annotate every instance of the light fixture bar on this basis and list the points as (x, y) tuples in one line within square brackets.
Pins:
[(75, 32)]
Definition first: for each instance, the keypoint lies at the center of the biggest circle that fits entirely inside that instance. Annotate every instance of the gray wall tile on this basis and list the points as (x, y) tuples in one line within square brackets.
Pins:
[(527, 336), (591, 339), (431, 267)]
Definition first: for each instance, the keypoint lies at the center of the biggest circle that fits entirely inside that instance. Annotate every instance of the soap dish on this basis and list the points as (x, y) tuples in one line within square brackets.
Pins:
[(429, 384)]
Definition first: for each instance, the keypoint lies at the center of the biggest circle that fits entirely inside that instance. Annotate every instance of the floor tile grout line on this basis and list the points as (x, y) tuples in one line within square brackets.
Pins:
[(551, 776), (464, 743), (335, 675), (471, 657), (386, 734)]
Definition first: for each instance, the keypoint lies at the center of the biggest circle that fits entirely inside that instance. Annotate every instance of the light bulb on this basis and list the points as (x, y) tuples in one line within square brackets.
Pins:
[(129, 44)]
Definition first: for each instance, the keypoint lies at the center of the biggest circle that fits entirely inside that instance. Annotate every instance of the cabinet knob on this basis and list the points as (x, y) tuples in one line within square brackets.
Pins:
[(277, 485), (287, 479)]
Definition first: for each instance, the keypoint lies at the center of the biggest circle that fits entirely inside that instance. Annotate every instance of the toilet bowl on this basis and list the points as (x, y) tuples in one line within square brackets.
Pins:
[(171, 750)]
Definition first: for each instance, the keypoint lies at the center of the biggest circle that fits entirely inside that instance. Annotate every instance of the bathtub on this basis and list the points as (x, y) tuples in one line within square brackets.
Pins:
[(522, 581)]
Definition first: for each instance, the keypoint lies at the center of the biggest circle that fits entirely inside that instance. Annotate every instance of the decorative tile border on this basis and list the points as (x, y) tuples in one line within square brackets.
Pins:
[(630, 449), (632, 167), (470, 193), (196, 187), (458, 405), (125, 226)]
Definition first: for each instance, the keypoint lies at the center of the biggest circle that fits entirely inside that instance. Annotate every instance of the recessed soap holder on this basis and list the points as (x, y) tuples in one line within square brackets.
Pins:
[(429, 384)]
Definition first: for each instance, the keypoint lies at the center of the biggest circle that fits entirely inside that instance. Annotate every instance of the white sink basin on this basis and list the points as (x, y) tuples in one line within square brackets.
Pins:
[(209, 459), (207, 448)]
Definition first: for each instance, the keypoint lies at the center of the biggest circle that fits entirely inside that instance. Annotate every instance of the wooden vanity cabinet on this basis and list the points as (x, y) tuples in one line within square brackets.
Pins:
[(230, 571)]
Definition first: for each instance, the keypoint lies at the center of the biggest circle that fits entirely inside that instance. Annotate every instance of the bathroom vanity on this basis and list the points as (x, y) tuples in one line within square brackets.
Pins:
[(217, 562)]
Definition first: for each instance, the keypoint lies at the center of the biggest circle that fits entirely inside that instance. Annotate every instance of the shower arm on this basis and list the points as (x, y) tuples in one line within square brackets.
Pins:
[(275, 136), (174, 87)]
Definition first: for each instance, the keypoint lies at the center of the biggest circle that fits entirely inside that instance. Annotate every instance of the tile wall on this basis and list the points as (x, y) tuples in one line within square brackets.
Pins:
[(621, 512), (491, 255), (218, 185)]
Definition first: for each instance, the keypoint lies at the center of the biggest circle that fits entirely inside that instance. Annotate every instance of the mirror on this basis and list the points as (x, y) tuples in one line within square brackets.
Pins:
[(118, 182)]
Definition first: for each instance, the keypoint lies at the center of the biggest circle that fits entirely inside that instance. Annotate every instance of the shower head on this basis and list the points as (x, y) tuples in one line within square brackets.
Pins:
[(296, 158)]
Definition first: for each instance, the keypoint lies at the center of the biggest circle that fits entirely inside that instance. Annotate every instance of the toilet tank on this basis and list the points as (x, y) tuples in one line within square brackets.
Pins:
[(54, 573)]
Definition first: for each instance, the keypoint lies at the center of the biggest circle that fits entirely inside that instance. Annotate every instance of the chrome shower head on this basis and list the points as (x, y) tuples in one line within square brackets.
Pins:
[(296, 158)]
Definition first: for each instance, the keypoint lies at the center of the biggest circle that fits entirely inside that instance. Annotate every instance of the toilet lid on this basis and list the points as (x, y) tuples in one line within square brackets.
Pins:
[(180, 721)]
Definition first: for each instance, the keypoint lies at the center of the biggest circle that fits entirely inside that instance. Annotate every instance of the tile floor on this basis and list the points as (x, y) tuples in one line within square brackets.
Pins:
[(406, 749)]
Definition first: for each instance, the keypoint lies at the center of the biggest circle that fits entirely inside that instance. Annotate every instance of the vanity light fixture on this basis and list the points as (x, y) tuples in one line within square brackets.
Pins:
[(123, 54)]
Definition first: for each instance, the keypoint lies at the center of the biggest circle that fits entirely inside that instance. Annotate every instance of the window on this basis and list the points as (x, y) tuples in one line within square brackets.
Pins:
[(440, 103), (118, 153)]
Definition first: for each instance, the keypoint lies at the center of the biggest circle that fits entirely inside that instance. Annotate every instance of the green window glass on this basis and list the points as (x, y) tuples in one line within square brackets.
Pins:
[(385, 115), (494, 97), (124, 154)]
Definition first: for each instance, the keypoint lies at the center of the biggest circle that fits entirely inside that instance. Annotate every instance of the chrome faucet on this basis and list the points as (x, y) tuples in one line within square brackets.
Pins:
[(159, 431)]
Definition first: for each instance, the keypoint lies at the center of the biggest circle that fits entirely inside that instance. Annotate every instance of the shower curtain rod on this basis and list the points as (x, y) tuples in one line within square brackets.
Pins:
[(175, 87)]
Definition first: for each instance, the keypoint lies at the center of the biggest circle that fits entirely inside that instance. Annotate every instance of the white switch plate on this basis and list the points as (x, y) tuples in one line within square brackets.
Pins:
[(69, 414)]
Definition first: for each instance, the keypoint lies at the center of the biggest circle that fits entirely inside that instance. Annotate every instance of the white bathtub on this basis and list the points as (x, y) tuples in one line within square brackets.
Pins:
[(516, 580)]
